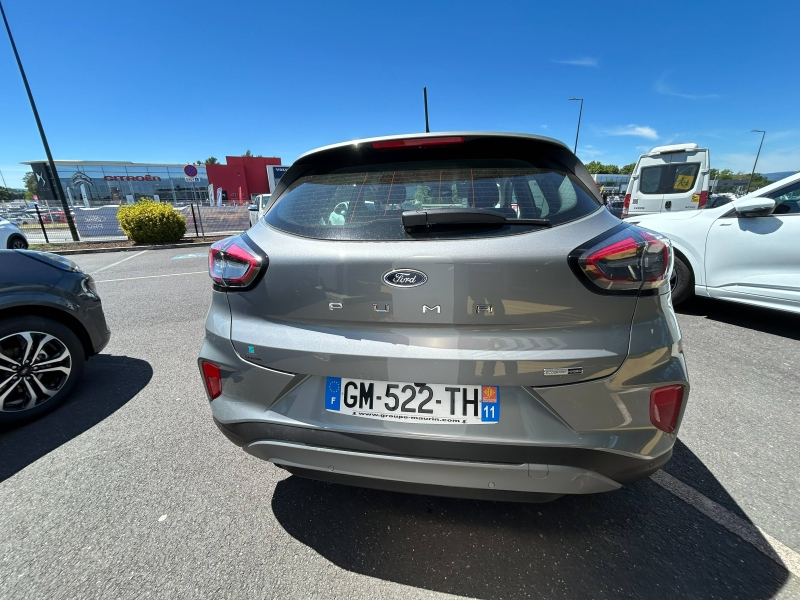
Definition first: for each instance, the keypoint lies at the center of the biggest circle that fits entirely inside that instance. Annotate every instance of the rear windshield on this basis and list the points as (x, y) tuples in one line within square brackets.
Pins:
[(368, 205), (675, 178)]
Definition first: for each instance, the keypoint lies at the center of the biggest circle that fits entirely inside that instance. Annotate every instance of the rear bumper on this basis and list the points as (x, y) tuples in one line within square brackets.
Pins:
[(574, 438), (459, 469)]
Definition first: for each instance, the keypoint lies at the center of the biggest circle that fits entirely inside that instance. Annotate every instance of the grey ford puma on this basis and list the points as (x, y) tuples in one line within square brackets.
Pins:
[(450, 314)]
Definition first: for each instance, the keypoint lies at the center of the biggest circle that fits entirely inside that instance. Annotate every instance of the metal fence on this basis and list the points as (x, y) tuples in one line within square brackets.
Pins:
[(101, 223)]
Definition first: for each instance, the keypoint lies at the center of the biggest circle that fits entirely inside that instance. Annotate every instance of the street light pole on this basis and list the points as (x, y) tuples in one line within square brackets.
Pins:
[(56, 181), (763, 133), (577, 133)]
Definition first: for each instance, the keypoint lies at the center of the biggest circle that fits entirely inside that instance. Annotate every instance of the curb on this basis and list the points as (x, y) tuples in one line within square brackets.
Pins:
[(128, 248)]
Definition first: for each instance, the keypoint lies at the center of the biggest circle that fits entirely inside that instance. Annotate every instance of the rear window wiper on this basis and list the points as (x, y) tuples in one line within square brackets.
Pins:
[(465, 216)]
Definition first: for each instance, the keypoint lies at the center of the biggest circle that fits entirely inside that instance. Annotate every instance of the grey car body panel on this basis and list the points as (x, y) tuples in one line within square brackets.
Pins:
[(276, 344), (543, 316), (27, 283), (608, 414)]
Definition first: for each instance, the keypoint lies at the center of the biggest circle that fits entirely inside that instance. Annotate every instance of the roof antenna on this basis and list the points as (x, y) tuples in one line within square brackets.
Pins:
[(425, 94)]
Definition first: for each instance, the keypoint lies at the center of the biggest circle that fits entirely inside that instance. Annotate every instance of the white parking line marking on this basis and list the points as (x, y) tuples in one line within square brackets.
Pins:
[(151, 276), (764, 542), (119, 261)]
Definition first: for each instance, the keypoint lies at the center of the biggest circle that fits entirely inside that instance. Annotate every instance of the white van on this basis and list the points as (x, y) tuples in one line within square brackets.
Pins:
[(668, 179)]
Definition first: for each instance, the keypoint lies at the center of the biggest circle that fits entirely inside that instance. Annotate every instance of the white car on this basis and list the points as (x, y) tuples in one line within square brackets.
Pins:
[(11, 236), (746, 251)]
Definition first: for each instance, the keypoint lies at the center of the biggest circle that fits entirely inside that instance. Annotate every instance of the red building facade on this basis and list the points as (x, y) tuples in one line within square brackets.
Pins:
[(241, 177)]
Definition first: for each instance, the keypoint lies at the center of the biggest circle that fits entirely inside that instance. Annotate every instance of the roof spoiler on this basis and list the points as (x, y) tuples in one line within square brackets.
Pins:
[(436, 146)]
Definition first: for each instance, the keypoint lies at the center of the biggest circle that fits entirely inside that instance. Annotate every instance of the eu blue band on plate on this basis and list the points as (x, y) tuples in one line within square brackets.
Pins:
[(333, 393)]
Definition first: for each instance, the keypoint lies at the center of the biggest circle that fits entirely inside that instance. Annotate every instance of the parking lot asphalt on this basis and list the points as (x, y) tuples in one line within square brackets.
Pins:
[(128, 490)]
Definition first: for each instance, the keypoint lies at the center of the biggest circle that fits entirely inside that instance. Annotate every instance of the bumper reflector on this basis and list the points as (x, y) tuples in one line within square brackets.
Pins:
[(665, 406), (212, 378)]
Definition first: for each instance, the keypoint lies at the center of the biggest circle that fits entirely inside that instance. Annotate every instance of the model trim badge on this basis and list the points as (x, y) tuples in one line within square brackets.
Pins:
[(567, 371), (404, 278)]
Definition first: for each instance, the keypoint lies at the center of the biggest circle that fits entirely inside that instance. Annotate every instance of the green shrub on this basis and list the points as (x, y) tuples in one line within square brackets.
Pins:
[(150, 222)]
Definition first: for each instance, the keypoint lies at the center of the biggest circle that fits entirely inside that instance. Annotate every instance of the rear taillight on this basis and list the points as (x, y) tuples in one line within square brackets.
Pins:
[(212, 378), (626, 206), (236, 263), (419, 142), (665, 407), (626, 260), (703, 199)]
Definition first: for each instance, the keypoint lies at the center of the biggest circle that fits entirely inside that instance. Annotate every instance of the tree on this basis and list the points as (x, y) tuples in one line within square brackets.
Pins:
[(726, 174), (758, 181), (627, 169), (5, 194), (29, 179), (212, 161), (598, 168), (248, 153)]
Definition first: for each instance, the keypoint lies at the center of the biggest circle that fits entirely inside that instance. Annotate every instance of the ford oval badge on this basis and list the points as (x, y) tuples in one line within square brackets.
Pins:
[(405, 278)]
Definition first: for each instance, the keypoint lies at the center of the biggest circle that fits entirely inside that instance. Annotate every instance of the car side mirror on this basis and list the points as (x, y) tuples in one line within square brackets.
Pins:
[(754, 207), (253, 208)]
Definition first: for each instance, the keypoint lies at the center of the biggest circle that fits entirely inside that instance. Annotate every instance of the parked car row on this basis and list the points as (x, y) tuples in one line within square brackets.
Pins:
[(437, 268), (27, 215)]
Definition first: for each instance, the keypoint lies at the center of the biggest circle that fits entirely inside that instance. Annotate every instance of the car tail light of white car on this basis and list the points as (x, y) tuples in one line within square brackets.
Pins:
[(626, 260), (626, 205)]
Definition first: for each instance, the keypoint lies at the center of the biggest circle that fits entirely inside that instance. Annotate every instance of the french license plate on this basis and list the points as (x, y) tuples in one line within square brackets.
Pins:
[(413, 402)]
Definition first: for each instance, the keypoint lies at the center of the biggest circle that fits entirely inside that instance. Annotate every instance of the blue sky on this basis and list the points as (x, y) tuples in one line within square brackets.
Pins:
[(180, 81)]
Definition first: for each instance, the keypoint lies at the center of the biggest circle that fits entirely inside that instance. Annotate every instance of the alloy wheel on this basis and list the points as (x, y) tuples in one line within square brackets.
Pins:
[(34, 366), (18, 244)]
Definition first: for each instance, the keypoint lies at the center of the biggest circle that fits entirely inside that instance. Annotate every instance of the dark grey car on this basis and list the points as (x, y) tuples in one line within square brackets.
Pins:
[(51, 321), (452, 314)]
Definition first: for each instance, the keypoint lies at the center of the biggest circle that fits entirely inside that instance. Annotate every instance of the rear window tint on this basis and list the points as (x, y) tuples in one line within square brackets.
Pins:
[(675, 178), (368, 205)]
